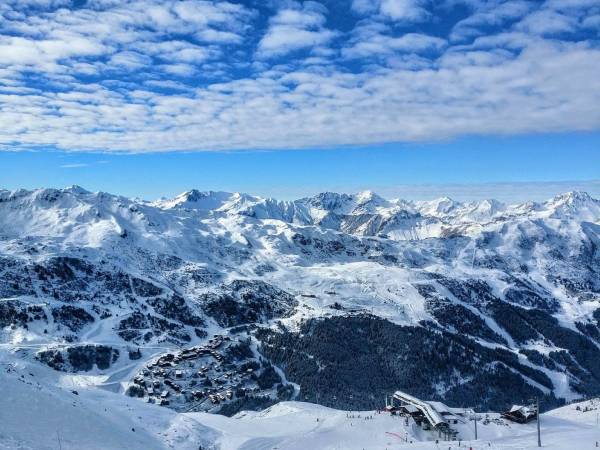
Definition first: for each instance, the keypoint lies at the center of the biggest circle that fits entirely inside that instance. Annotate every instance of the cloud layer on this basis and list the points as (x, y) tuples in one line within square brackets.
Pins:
[(149, 75)]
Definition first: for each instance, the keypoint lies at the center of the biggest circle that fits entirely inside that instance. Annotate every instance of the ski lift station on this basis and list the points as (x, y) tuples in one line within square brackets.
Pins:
[(430, 415)]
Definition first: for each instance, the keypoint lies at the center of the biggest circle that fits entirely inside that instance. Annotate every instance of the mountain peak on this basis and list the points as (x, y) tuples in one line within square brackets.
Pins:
[(572, 198), (574, 204), (200, 200), (330, 200), (368, 197), (76, 189)]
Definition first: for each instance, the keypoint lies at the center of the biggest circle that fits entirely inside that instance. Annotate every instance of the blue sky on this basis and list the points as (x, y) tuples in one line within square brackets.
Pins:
[(282, 97), (510, 169)]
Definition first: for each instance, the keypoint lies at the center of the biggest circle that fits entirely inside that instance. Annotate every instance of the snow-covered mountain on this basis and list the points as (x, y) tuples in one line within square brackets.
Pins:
[(367, 214), (241, 301)]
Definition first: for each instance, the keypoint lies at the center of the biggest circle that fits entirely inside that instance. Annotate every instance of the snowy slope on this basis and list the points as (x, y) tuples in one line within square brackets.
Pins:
[(38, 414), (44, 416), (301, 425)]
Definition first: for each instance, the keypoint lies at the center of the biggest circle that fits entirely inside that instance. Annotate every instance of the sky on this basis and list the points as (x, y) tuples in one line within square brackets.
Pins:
[(287, 98), (510, 169)]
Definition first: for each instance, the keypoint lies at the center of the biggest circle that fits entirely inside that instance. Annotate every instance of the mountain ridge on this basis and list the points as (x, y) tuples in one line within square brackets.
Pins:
[(364, 213)]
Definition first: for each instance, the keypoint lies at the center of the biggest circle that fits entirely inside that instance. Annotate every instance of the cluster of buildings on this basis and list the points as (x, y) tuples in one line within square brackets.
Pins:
[(198, 375)]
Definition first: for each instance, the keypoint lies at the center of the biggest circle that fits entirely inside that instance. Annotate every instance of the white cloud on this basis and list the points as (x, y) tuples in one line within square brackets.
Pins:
[(74, 166), (490, 14), (149, 75), (547, 21), (212, 35), (398, 10), (282, 39), (130, 60), (294, 29), (405, 10), (45, 53), (184, 70), (380, 44), (365, 6), (547, 87), (57, 36), (592, 22), (564, 5)]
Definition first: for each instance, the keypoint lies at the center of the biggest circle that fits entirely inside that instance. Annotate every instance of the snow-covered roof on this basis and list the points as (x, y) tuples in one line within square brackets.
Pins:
[(430, 412)]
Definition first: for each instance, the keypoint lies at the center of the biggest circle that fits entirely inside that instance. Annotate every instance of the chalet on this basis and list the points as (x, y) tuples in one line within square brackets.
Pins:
[(178, 373), (520, 414), (164, 394)]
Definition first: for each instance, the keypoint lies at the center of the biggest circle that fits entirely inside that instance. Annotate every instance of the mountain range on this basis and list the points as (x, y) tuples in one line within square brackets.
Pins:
[(335, 299)]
